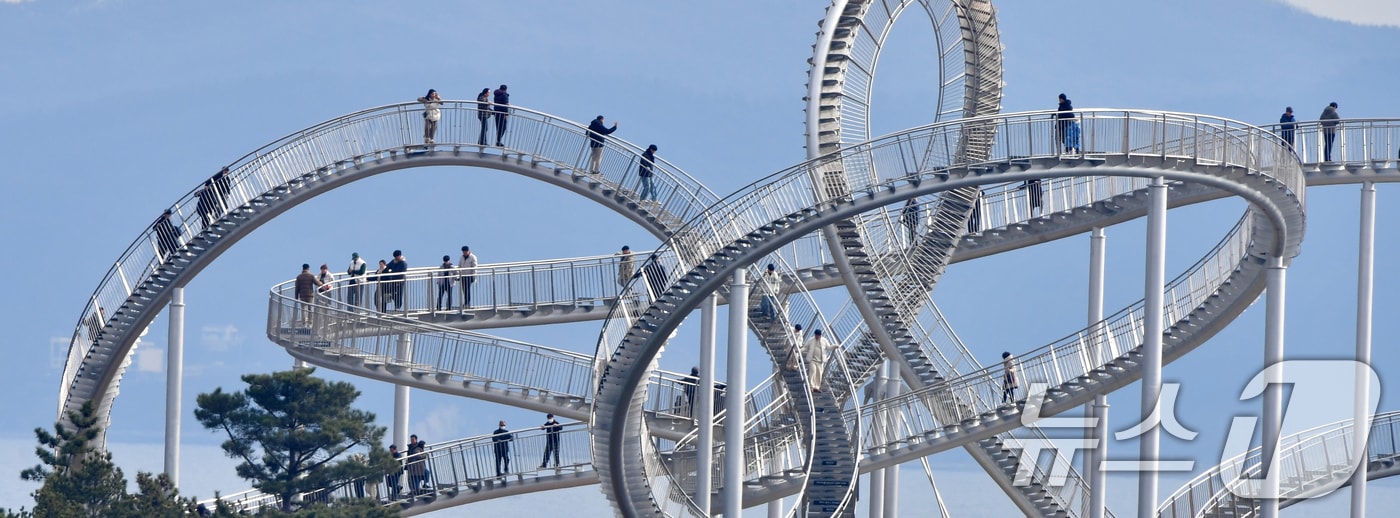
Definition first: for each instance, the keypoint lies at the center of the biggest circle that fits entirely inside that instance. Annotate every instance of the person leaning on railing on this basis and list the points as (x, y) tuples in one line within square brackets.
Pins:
[(1328, 120)]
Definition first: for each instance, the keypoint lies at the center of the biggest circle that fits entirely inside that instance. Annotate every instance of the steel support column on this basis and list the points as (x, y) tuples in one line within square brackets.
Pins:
[(705, 407), (174, 371), (892, 388), (1153, 282), (1098, 410), (1273, 384), (877, 428), (737, 361), (1365, 287), (402, 353)]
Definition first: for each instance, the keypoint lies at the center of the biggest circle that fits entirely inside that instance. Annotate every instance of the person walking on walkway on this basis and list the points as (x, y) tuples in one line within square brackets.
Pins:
[(1035, 193), (468, 265), (356, 273), (502, 100), (397, 267), (305, 292), (794, 353), (772, 286), (646, 190), (483, 113), (596, 131), (1010, 379), (552, 429), (1287, 123), (1328, 122), (817, 348), (208, 203), (444, 284), (625, 266), (688, 385), (432, 113), (167, 236), (1063, 119), (909, 215), (392, 479), (500, 441), (655, 276), (381, 288), (324, 280), (417, 464), (222, 187)]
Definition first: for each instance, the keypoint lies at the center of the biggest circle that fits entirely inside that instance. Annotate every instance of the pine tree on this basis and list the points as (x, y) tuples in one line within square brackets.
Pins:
[(77, 479), (289, 428)]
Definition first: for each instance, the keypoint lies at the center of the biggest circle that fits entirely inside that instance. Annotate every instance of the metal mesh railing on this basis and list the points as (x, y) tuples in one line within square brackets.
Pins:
[(1314, 458), (929, 153), (333, 147), (446, 469)]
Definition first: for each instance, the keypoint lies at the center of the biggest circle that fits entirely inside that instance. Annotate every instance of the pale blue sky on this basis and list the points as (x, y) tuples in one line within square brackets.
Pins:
[(111, 110)]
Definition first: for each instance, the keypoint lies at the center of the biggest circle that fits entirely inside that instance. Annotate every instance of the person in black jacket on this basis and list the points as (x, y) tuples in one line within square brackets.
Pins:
[(500, 441), (1287, 123), (397, 267), (167, 236), (596, 131), (1063, 119), (644, 171), (502, 100), (552, 429), (483, 113)]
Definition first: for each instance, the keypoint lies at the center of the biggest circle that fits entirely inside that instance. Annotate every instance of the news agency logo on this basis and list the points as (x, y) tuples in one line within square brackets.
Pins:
[(1321, 401)]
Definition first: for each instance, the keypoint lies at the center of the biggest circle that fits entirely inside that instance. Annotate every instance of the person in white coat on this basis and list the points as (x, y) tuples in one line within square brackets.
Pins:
[(1011, 380), (816, 349), (432, 113), (468, 265)]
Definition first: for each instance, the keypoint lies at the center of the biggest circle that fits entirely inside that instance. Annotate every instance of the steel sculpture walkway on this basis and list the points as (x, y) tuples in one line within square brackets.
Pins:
[(300, 166), (1311, 463), (919, 444), (831, 221), (1218, 152)]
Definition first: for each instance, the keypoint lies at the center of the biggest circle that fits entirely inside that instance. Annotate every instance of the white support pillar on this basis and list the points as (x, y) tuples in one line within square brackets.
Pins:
[(877, 428), (892, 388), (1365, 286), (1273, 382), (1098, 410), (1153, 283), (402, 352), (737, 361), (174, 372), (705, 407)]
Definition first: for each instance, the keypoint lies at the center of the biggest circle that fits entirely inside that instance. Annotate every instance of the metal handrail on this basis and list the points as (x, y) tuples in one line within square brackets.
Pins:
[(451, 467), (510, 365), (578, 281), (343, 143), (1356, 142), (1070, 357), (911, 155), (1304, 459)]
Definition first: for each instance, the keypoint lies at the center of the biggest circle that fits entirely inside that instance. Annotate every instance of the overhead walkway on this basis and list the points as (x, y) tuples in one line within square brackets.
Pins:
[(1311, 463), (1230, 156), (93, 354), (305, 164), (1060, 193), (890, 294), (1124, 325)]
